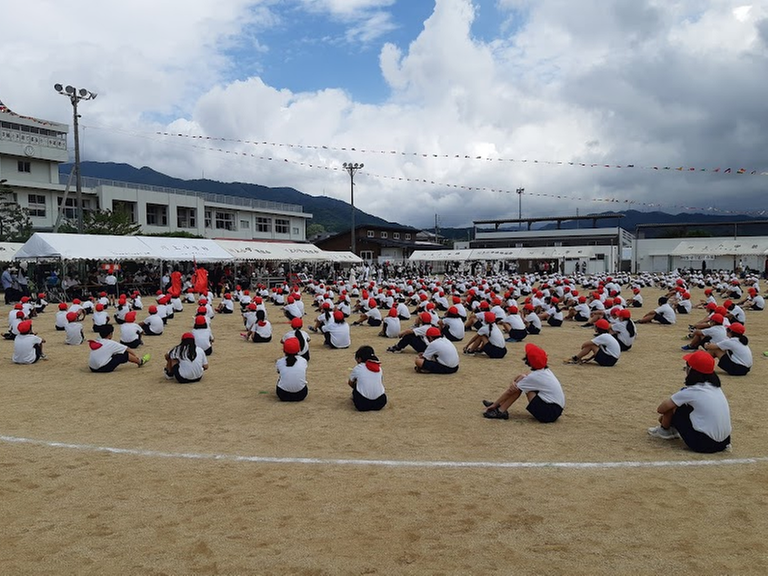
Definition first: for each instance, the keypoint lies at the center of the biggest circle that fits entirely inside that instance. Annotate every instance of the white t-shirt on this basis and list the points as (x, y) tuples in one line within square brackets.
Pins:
[(494, 333), (130, 332), (292, 378), (203, 338), (666, 311), (608, 344), (100, 318), (339, 332), (368, 383), (533, 319), (739, 353), (101, 356), (190, 369), (24, 348), (74, 333), (154, 324), (710, 414), (292, 334), (264, 331), (455, 327), (546, 384), (622, 334), (442, 351), (515, 322), (392, 327), (402, 311), (61, 319)]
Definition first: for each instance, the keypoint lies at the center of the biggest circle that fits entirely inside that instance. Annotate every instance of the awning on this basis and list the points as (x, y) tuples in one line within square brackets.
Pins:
[(8, 250), (720, 247), (349, 257), (83, 247), (184, 249), (530, 253), (440, 255), (245, 250)]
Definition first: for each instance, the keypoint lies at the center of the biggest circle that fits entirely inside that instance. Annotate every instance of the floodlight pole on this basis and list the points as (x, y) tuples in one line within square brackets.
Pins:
[(352, 169), (75, 96), (519, 192)]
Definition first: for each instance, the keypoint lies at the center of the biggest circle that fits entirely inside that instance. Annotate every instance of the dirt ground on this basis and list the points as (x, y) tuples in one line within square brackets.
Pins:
[(177, 500)]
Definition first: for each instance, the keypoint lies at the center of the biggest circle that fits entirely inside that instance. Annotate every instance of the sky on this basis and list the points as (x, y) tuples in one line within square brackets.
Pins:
[(452, 105)]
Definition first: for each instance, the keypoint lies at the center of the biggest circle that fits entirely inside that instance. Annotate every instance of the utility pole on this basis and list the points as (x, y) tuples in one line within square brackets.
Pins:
[(519, 192), (352, 169)]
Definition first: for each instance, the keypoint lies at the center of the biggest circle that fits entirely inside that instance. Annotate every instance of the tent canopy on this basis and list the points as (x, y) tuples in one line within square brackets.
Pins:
[(83, 247), (246, 250), (720, 247), (350, 257), (8, 250), (532, 253)]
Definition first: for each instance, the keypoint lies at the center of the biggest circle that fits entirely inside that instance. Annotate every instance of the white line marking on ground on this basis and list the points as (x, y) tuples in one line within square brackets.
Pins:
[(385, 463)]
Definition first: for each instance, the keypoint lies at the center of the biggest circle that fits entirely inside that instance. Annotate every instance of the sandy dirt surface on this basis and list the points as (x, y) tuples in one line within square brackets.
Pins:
[(177, 500)]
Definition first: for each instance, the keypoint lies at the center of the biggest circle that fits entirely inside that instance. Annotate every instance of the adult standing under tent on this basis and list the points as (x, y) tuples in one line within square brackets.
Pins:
[(200, 280), (175, 289)]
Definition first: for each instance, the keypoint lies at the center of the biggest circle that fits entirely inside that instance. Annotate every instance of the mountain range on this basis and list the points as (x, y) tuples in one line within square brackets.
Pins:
[(333, 215)]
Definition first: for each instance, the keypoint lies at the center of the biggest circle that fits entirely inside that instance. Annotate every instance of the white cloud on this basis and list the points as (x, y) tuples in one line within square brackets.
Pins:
[(642, 82)]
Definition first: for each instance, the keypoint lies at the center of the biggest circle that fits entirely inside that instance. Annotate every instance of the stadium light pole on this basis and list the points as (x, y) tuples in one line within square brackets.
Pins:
[(519, 192), (352, 169), (75, 96)]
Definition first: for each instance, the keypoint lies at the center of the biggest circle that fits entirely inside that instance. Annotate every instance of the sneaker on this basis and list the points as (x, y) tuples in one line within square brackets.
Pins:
[(394, 350), (511, 340), (43, 357), (144, 359), (687, 347), (663, 433), (167, 376), (487, 403), (312, 329), (586, 325), (571, 360), (496, 414), (729, 448)]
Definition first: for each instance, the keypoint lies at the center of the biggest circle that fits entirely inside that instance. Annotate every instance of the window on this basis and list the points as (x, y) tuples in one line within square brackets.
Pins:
[(123, 207), (366, 254), (225, 220), (245, 224), (281, 226), (263, 224), (371, 234), (70, 207), (25, 166), (384, 234), (186, 217), (157, 215), (407, 236), (208, 222), (36, 205), (396, 235)]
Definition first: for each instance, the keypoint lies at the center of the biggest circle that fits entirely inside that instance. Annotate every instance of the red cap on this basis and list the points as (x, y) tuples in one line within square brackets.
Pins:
[(251, 306), (602, 324), (431, 306), (71, 316), (484, 305), (700, 361), (203, 301), (717, 318), (625, 314), (453, 310), (42, 294), (76, 301), (513, 310), (62, 306), (18, 306), (338, 315), (187, 336), (728, 303), (25, 299), (202, 310), (25, 327), (99, 307), (131, 316), (291, 346), (102, 294), (201, 321), (736, 328), (371, 303), (434, 332), (392, 312), (582, 299), (228, 296), (456, 300), (153, 309), (326, 306), (426, 317), (489, 317), (537, 357), (711, 306), (297, 323), (528, 306)]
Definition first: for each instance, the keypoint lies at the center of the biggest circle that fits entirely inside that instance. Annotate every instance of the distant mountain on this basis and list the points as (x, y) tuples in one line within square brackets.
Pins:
[(332, 214)]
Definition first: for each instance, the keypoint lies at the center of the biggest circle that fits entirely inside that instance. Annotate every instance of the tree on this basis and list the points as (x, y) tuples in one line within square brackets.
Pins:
[(314, 229), (15, 224), (102, 222)]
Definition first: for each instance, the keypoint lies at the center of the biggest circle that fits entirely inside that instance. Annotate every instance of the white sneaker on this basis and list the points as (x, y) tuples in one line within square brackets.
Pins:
[(663, 433)]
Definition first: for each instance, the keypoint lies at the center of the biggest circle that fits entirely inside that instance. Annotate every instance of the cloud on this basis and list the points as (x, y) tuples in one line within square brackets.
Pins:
[(679, 83)]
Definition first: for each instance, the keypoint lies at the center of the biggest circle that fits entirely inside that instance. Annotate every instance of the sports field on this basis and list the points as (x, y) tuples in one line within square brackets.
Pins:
[(129, 473)]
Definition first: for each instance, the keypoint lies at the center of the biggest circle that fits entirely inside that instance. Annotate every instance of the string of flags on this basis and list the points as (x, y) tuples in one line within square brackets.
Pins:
[(717, 170), (5, 110), (626, 203)]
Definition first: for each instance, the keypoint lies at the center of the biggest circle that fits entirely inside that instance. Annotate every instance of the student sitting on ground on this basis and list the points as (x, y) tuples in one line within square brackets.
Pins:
[(367, 381), (153, 325), (106, 354), (292, 370), (186, 362), (489, 339), (664, 314), (390, 326), (415, 337), (452, 325), (546, 399), (203, 335), (27, 346), (262, 329), (699, 413), (440, 356), (337, 332), (130, 332), (296, 332), (603, 348), (74, 330), (733, 353)]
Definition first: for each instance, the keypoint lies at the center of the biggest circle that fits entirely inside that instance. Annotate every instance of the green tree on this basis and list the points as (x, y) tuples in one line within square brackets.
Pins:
[(314, 229), (102, 222), (15, 224)]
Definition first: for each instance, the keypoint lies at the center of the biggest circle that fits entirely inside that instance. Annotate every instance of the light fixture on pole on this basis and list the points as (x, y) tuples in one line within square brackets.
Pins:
[(519, 192), (75, 96), (352, 169)]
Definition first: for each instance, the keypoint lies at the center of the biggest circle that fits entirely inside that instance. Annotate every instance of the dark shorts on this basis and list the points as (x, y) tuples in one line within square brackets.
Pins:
[(681, 310), (260, 339), (133, 345), (447, 333), (364, 404), (580, 318), (531, 329), (286, 396), (111, 289), (288, 315), (636, 305), (553, 322), (605, 359), (731, 367), (494, 351), (413, 341), (116, 360), (179, 378), (695, 440), (374, 322), (660, 319), (518, 334), (544, 412), (227, 311), (436, 368)]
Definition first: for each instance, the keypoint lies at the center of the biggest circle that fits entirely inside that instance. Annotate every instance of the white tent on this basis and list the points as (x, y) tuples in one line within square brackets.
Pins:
[(8, 250), (440, 255), (46, 245), (184, 249), (721, 247), (245, 250), (332, 256)]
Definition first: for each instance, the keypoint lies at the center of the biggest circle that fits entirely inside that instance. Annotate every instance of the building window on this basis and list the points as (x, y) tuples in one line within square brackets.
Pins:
[(407, 236), (296, 231), (263, 224), (245, 224), (123, 207), (36, 205), (25, 166), (186, 217), (396, 235), (371, 234), (208, 221), (282, 226), (70, 208), (225, 220), (366, 255), (157, 215), (384, 234)]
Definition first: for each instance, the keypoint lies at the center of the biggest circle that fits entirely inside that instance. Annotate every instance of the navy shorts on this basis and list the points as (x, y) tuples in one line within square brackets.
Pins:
[(364, 404), (544, 412), (605, 359), (494, 351), (695, 440), (731, 367), (436, 368), (660, 319)]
